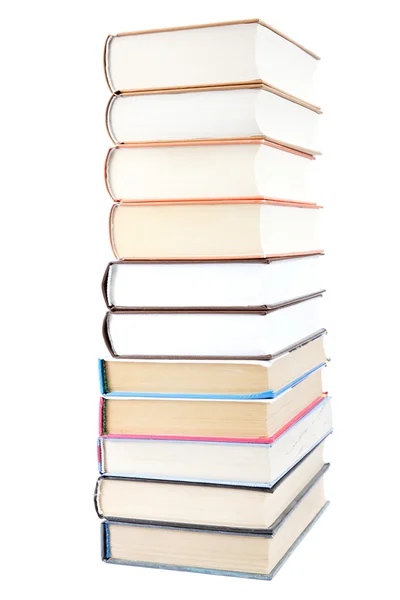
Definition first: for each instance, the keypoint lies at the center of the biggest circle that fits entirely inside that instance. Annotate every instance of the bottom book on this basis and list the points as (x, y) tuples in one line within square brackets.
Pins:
[(239, 554)]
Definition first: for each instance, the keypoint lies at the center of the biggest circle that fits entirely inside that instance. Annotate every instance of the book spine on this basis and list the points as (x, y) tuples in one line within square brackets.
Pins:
[(104, 541), (96, 498), (108, 119), (100, 455), (102, 417), (106, 335), (102, 377), (105, 64), (104, 285), (106, 180)]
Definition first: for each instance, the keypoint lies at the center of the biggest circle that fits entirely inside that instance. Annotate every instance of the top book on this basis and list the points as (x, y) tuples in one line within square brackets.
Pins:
[(226, 53)]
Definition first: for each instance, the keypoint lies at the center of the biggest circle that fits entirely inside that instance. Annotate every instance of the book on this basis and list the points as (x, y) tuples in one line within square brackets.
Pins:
[(229, 378), (179, 284), (216, 53), (209, 170), (209, 418), (208, 505), (221, 112), (252, 333), (213, 230), (253, 463), (253, 555)]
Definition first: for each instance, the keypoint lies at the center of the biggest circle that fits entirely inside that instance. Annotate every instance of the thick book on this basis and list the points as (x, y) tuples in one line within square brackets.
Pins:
[(221, 112), (209, 170), (255, 463), (207, 230), (134, 284), (252, 333), (229, 378), (206, 505), (216, 53), (256, 555), (210, 419)]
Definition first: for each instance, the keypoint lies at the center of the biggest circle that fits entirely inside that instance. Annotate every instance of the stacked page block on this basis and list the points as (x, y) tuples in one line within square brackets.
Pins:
[(213, 413)]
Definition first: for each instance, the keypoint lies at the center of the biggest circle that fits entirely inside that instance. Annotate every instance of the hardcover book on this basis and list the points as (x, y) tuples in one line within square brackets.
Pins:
[(222, 112), (259, 463), (211, 506), (134, 284), (241, 554), (229, 378), (247, 168), (254, 333), (248, 229), (216, 53)]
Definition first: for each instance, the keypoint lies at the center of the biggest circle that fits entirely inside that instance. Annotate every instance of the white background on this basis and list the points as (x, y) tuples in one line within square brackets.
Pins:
[(55, 247)]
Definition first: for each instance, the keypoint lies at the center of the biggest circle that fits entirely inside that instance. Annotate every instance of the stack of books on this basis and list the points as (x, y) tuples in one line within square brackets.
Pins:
[(213, 414)]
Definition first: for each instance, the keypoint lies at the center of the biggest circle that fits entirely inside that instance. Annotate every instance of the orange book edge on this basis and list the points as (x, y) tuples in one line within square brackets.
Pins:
[(262, 139), (191, 201)]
